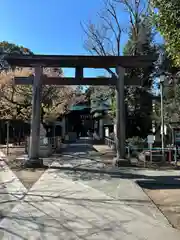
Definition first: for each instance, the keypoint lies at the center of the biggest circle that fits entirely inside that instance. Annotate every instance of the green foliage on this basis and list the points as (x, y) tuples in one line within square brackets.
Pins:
[(139, 99), (142, 44), (167, 20), (10, 48), (6, 47), (136, 141), (171, 101), (100, 99), (171, 94), (104, 39)]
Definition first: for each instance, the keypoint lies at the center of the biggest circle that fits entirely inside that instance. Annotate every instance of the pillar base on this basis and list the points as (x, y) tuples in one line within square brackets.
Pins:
[(121, 162), (34, 163)]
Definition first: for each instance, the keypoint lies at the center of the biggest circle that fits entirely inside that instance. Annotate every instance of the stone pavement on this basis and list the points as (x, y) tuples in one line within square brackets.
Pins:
[(66, 204), (11, 189)]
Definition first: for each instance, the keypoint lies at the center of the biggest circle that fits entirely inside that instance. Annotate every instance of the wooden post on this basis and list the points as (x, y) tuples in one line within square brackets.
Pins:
[(120, 116), (36, 117)]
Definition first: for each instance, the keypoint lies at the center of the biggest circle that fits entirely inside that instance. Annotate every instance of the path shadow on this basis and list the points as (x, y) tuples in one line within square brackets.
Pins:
[(160, 183), (142, 179), (86, 148), (39, 216), (92, 165)]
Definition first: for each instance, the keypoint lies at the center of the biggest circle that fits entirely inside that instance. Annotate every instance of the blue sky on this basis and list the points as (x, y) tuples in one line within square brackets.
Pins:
[(48, 27)]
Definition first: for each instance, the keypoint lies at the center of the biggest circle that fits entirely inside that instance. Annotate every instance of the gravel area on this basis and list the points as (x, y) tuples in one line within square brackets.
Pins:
[(167, 199)]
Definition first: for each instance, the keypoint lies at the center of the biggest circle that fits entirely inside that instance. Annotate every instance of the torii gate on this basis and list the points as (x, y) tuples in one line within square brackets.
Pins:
[(79, 63)]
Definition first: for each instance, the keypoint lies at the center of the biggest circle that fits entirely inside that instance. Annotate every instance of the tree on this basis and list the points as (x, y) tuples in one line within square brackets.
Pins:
[(167, 20), (100, 99), (16, 99), (11, 48), (171, 95), (171, 100), (171, 92), (12, 97), (6, 48), (139, 99), (105, 39)]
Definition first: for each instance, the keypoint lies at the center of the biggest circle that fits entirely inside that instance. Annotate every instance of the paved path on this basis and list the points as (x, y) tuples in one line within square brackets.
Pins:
[(11, 189), (66, 204)]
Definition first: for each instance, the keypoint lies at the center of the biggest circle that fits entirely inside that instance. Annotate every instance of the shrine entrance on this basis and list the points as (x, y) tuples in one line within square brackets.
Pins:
[(79, 119), (118, 79)]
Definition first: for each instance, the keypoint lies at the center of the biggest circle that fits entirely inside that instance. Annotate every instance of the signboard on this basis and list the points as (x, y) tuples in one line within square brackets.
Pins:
[(150, 139)]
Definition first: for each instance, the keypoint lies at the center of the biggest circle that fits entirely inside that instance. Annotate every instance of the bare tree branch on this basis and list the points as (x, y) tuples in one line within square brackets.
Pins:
[(106, 39)]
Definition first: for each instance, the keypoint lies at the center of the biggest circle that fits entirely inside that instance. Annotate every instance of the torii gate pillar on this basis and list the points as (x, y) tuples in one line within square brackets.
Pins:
[(120, 132), (36, 119)]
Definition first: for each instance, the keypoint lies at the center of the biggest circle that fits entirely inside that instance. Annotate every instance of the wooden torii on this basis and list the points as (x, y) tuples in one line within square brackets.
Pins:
[(119, 80)]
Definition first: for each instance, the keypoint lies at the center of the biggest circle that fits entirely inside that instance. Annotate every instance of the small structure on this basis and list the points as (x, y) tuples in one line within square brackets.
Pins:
[(79, 120), (99, 110), (118, 79)]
